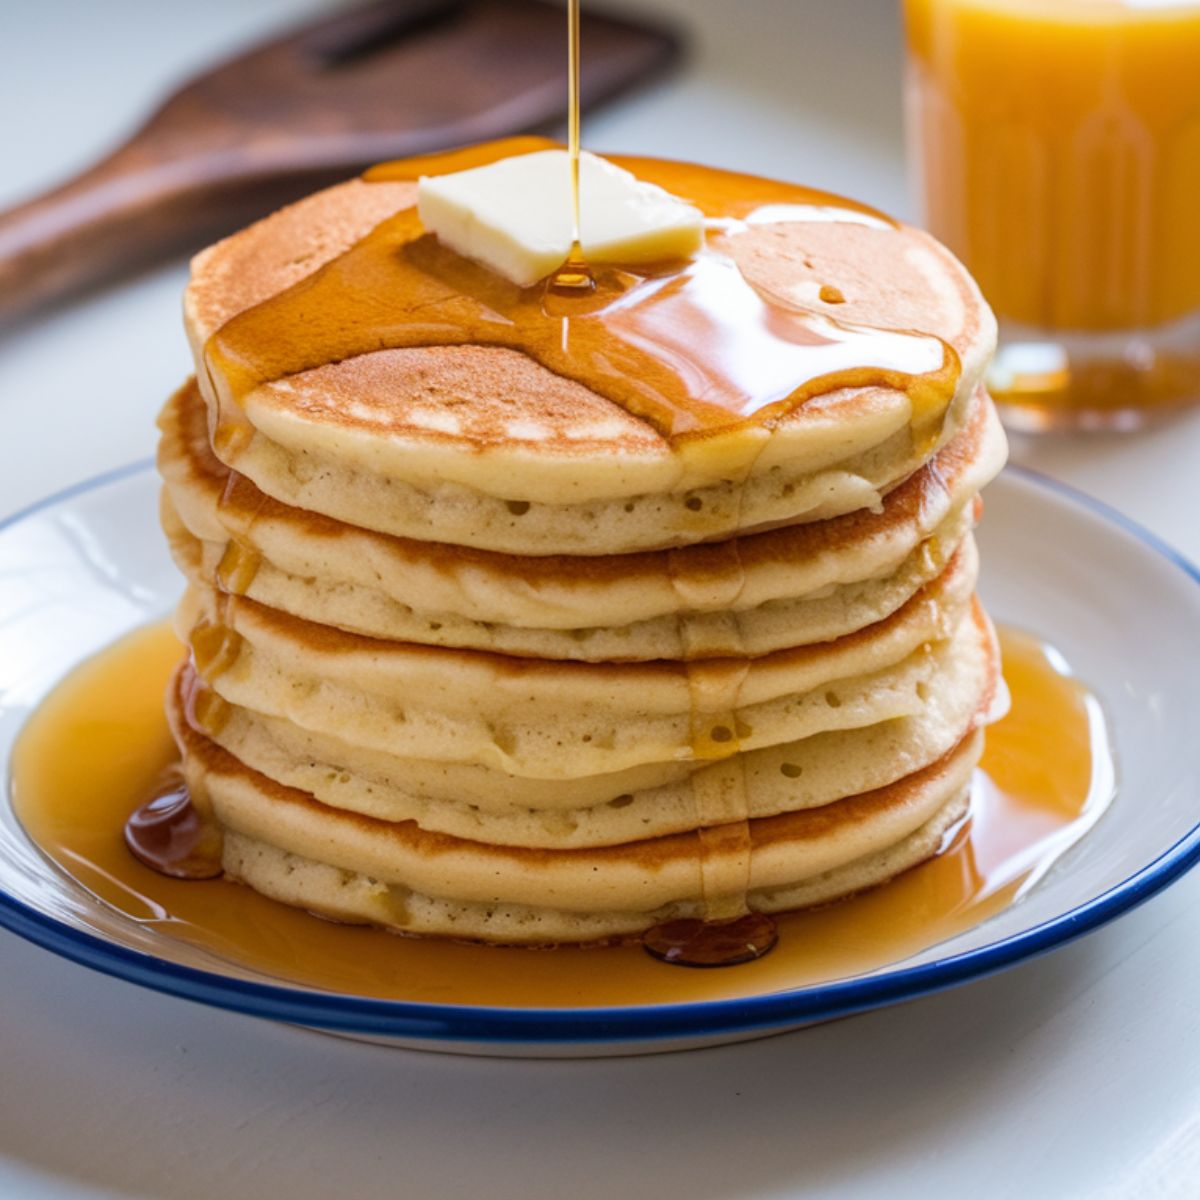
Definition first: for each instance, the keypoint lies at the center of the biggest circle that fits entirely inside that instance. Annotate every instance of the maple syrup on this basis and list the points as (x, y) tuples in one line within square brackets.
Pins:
[(96, 749), (712, 943), (574, 275), (169, 834), (238, 509), (691, 347)]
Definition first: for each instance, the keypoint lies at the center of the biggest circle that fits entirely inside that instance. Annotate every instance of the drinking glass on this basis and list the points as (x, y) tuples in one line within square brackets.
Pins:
[(1056, 149)]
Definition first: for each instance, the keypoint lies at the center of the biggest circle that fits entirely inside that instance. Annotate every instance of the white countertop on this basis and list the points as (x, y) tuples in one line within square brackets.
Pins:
[(1074, 1076)]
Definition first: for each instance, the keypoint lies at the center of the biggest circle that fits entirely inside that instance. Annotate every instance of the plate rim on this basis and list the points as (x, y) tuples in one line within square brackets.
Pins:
[(698, 1019)]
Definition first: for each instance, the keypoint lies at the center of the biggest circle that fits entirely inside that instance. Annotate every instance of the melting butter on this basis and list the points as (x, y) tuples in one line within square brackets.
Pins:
[(514, 215)]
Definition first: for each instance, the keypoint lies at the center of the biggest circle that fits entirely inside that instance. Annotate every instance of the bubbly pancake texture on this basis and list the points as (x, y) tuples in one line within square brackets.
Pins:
[(559, 720), (480, 803), (533, 619), (428, 882), (800, 583)]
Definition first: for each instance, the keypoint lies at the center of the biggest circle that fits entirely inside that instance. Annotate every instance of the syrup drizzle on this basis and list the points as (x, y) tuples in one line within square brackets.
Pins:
[(690, 347), (238, 511), (215, 647), (99, 744), (574, 275)]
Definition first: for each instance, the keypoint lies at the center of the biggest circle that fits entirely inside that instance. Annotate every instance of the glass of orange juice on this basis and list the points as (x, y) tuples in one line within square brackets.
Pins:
[(1057, 152)]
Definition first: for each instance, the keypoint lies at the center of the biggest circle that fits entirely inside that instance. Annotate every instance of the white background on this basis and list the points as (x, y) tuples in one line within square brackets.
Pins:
[(1078, 1075)]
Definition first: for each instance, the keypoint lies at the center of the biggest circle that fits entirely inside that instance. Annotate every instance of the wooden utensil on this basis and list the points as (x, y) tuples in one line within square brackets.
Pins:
[(394, 78)]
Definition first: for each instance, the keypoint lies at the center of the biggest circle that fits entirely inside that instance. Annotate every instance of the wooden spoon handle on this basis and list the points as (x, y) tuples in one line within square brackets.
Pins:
[(70, 236), (123, 213)]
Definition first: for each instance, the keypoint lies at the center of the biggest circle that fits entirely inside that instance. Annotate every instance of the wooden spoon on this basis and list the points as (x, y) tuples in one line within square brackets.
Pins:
[(392, 79)]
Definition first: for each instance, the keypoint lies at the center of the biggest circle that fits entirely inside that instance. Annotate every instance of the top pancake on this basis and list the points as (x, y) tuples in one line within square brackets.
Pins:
[(484, 445)]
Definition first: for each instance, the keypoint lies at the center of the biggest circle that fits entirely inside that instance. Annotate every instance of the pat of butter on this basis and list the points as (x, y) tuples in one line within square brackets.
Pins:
[(514, 215)]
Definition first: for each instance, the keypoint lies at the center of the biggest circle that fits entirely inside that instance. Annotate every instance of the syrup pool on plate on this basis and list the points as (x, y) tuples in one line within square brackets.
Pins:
[(97, 748)]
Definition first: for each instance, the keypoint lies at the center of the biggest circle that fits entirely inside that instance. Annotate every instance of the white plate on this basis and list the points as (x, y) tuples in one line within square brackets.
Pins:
[(82, 568)]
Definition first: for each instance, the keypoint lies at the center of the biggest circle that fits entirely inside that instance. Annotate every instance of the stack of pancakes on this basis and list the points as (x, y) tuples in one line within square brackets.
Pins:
[(477, 652)]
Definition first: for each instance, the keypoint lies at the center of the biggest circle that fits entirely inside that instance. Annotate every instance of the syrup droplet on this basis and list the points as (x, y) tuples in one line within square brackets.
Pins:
[(169, 836), (574, 277), (238, 567), (690, 943), (215, 647)]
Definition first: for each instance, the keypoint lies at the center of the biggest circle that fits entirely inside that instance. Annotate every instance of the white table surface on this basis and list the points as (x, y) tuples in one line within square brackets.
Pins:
[(1074, 1076)]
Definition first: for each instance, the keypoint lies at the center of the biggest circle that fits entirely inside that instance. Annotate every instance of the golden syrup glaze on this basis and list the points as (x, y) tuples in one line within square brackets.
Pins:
[(238, 567), (1046, 776), (574, 275), (732, 943), (170, 834), (722, 801), (692, 347), (238, 509), (214, 646)]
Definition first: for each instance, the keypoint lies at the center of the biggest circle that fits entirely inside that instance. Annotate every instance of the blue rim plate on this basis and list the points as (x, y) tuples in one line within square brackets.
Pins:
[(81, 568)]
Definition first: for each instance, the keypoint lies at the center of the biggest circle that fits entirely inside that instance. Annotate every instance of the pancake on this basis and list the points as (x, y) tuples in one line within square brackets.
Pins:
[(386, 871), (354, 898), (490, 806), (830, 613), (563, 720), (484, 446), (513, 524), (534, 619), (799, 584)]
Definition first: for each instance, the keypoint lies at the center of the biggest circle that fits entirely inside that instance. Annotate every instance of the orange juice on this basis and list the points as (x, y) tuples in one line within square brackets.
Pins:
[(1058, 145)]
